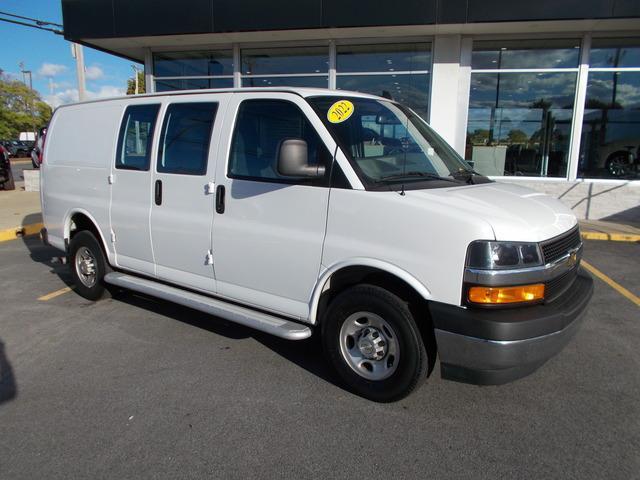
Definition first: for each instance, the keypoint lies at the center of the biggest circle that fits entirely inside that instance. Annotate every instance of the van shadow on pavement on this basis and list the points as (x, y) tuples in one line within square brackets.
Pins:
[(8, 387), (307, 354)]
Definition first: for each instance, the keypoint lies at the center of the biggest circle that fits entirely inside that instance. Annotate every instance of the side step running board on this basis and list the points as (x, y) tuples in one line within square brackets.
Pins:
[(244, 316)]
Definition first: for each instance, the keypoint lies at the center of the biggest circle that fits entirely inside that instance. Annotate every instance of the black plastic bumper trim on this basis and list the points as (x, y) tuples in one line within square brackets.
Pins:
[(516, 323)]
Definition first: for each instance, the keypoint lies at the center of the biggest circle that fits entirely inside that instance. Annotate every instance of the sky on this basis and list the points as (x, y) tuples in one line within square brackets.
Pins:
[(48, 56)]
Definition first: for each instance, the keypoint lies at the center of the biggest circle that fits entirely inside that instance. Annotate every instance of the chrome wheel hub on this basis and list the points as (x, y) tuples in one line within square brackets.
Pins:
[(369, 346), (86, 267)]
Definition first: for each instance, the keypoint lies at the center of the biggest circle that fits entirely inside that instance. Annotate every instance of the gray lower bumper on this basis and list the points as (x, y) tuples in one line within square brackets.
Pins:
[(487, 360)]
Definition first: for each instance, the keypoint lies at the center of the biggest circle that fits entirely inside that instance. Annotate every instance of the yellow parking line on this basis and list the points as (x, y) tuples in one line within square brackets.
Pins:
[(612, 283), (55, 294)]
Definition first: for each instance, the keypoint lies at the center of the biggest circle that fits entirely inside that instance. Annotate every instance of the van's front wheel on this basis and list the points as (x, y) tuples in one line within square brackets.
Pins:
[(371, 339), (88, 266)]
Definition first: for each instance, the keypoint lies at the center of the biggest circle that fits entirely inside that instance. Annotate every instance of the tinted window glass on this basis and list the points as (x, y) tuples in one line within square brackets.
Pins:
[(615, 53), (136, 136), (202, 63), (530, 54), (184, 143), (260, 128), (520, 123), (163, 85), (384, 58), (285, 60)]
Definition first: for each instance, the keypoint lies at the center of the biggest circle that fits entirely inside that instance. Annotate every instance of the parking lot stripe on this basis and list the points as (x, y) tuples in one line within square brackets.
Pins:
[(612, 283), (55, 294)]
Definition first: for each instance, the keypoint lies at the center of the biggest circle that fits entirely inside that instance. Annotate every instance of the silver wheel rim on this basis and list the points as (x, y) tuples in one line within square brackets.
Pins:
[(86, 267), (369, 346)]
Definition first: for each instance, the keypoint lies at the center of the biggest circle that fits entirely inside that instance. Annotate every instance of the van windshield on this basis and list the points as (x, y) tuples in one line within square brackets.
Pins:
[(388, 143)]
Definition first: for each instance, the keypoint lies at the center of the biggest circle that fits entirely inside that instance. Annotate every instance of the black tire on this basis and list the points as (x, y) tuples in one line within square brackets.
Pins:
[(411, 369), (85, 242), (9, 183)]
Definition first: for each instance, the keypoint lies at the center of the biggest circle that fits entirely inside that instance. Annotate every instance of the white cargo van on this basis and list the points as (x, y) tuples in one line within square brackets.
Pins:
[(300, 210)]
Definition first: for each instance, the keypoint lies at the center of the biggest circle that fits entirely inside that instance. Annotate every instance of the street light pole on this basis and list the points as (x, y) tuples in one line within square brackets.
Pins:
[(135, 76), (78, 54)]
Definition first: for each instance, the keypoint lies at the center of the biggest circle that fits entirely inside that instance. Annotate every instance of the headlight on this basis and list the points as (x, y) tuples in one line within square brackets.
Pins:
[(487, 255)]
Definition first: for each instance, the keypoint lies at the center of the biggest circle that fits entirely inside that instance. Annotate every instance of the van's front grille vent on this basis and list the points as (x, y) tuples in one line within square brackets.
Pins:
[(559, 246), (557, 286)]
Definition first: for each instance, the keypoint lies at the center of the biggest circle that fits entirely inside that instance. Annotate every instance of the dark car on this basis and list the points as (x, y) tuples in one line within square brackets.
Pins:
[(17, 148), (6, 175)]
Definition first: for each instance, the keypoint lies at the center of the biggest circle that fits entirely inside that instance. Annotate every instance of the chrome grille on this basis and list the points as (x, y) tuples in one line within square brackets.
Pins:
[(559, 246)]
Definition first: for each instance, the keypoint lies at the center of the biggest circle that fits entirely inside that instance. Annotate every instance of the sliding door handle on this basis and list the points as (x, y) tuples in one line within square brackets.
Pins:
[(220, 199), (158, 192)]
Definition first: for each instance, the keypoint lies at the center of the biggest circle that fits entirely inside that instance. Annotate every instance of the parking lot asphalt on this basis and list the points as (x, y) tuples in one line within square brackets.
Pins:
[(133, 387)]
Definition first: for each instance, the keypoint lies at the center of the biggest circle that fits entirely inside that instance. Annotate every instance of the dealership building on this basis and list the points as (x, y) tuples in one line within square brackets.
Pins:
[(544, 93)]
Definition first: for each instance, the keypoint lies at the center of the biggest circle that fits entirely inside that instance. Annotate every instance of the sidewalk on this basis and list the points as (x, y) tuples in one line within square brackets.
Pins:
[(19, 213), (601, 230)]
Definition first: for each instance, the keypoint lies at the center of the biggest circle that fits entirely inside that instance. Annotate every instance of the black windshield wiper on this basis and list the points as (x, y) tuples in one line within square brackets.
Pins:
[(425, 175), (470, 176)]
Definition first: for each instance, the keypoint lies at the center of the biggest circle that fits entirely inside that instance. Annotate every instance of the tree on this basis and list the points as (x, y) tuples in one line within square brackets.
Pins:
[(131, 84), (517, 136), (21, 109)]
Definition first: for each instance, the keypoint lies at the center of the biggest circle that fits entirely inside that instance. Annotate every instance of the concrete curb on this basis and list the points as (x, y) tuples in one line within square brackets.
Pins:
[(19, 232), (614, 237)]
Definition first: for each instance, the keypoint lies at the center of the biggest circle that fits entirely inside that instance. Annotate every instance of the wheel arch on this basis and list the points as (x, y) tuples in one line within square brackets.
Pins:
[(83, 220), (358, 270)]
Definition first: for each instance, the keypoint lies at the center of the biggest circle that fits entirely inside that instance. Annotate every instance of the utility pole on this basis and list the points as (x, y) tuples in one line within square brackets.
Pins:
[(29, 99), (78, 54)]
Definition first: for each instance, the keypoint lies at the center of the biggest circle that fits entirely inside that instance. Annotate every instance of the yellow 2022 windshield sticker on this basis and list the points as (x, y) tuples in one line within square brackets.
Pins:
[(340, 111)]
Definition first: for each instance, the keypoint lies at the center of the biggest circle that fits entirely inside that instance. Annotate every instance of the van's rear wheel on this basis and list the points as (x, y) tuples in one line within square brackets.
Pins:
[(88, 266), (371, 339)]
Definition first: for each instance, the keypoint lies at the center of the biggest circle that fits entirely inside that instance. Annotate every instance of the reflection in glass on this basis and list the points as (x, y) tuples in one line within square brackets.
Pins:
[(520, 123), (410, 90), (529, 54), (615, 53), (610, 142), (383, 58), (262, 61), (192, 84), (320, 81), (199, 63)]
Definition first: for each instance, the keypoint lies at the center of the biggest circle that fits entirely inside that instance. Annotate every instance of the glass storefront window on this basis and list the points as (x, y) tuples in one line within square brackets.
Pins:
[(397, 71), (383, 58), (615, 53), (536, 54), (610, 142), (520, 123), (165, 85), (261, 61), (193, 64), (410, 90), (321, 81)]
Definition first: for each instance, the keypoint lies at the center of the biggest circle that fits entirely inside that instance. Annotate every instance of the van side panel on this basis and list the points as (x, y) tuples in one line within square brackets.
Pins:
[(80, 146)]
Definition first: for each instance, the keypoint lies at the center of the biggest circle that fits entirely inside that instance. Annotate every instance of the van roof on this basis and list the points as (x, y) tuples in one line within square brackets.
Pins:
[(301, 91)]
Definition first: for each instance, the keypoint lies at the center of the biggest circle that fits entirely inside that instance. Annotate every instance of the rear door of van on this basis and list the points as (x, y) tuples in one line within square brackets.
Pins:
[(183, 190), (131, 189)]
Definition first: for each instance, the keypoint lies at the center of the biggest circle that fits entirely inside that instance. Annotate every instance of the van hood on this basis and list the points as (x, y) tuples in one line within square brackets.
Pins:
[(515, 213)]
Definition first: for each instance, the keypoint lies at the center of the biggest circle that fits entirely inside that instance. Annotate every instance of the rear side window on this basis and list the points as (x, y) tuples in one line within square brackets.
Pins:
[(186, 133), (260, 127), (136, 137)]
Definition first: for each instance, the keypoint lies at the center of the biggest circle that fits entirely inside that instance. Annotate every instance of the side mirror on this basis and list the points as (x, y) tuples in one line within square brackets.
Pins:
[(293, 160)]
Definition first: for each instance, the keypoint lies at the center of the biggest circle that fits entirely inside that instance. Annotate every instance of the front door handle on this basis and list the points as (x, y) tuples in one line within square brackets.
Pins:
[(158, 192), (220, 199)]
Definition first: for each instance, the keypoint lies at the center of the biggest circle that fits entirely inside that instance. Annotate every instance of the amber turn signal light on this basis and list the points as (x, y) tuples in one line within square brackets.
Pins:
[(502, 295)]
